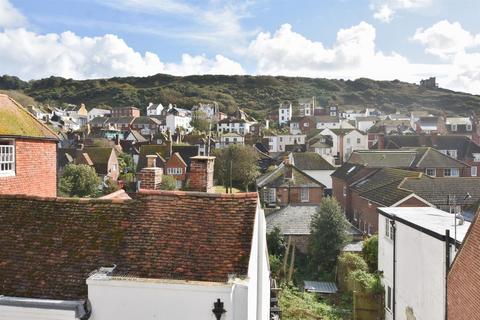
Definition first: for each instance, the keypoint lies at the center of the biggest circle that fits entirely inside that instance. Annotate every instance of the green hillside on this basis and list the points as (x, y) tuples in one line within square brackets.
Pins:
[(257, 94)]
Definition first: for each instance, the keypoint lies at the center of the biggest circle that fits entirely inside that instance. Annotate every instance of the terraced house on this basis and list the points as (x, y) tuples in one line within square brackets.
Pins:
[(28, 152)]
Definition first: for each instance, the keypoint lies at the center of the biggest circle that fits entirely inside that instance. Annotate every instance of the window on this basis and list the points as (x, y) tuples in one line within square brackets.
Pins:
[(388, 229), (304, 195), (452, 153), (473, 171), (358, 140), (344, 191), (7, 158), (281, 139), (305, 124), (431, 172), (469, 127), (174, 171), (453, 172), (388, 298), (454, 127), (355, 215), (369, 230), (348, 140)]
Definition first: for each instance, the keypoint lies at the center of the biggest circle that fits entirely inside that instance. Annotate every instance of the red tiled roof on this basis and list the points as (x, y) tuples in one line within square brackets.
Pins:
[(50, 245)]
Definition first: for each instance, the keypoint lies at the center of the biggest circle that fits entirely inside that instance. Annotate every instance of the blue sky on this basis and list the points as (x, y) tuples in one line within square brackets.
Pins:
[(380, 39)]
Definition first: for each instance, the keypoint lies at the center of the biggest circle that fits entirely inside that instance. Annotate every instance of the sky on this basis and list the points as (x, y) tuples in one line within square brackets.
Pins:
[(343, 39)]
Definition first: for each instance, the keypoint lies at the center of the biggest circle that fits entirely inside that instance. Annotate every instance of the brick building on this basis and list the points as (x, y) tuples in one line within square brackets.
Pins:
[(463, 281), (28, 152), (289, 185), (125, 112)]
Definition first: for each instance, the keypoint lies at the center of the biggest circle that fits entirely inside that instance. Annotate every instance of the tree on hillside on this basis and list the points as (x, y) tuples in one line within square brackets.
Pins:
[(328, 235), (237, 163), (201, 122), (79, 181)]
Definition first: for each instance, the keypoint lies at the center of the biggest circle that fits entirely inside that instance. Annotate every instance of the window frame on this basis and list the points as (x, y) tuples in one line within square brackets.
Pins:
[(388, 298), (472, 170), (434, 172), (304, 194), (10, 144)]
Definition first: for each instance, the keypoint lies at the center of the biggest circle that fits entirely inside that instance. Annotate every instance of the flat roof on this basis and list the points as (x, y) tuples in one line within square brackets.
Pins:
[(428, 220)]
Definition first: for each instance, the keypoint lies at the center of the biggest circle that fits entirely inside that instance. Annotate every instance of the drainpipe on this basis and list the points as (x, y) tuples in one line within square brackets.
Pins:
[(394, 231), (447, 268)]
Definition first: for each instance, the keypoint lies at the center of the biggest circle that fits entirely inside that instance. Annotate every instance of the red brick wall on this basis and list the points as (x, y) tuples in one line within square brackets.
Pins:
[(315, 196), (175, 162), (337, 194), (463, 284), (36, 169)]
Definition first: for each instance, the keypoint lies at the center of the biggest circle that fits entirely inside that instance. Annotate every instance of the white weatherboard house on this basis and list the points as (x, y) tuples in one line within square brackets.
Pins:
[(166, 255), (415, 250)]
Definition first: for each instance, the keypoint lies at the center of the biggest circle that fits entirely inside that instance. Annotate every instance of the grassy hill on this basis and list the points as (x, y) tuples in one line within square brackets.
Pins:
[(257, 94)]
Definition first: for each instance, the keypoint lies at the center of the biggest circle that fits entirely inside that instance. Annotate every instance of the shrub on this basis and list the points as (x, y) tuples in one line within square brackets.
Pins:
[(370, 252)]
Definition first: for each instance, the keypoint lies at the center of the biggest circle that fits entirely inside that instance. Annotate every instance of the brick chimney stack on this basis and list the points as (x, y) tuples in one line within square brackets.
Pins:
[(201, 173), (150, 177)]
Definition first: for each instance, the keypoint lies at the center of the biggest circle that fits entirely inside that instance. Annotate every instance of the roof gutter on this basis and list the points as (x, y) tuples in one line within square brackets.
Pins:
[(29, 138)]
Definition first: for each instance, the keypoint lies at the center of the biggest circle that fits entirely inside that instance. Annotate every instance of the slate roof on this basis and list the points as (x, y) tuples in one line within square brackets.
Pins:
[(120, 120), (51, 245), (277, 179), (311, 161), (437, 190), (146, 120), (382, 187), (185, 151), (291, 220), (465, 146), (15, 121), (137, 136), (350, 172), (99, 157)]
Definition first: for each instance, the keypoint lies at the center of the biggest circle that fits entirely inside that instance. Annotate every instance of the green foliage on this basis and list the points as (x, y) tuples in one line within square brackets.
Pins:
[(370, 252), (276, 243), (367, 282), (243, 162), (328, 235), (201, 123), (258, 95), (126, 164), (297, 305), (275, 265), (168, 183), (79, 181), (352, 262), (110, 186)]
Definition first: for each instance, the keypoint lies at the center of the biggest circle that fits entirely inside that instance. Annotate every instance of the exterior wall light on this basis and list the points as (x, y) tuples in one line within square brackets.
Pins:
[(218, 309)]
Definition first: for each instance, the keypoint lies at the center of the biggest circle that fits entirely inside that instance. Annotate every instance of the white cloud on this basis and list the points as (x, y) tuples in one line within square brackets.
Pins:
[(9, 16), (354, 55), (30, 55), (445, 39), (384, 10)]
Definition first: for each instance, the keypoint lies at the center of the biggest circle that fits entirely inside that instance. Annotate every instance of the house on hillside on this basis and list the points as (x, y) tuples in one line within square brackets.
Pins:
[(430, 125), (176, 167), (96, 112), (121, 112), (28, 152), (141, 258), (146, 125), (285, 113), (230, 138), (288, 185), (154, 109), (279, 142), (345, 141), (306, 106), (416, 248), (104, 160)]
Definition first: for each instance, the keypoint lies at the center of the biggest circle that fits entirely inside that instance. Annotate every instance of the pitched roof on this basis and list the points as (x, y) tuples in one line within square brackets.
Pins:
[(311, 161), (382, 187), (291, 220), (278, 178), (437, 190), (99, 156), (186, 151), (350, 172), (50, 246), (137, 136), (15, 121)]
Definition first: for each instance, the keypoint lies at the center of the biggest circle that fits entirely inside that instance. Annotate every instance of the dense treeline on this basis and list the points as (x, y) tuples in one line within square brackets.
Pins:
[(257, 94)]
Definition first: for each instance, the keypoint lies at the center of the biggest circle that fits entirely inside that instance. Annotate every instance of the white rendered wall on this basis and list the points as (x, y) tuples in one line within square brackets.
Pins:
[(420, 271), (155, 299), (321, 175), (21, 313)]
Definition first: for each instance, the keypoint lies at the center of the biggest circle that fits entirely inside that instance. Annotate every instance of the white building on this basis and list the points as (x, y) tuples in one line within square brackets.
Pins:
[(365, 123), (239, 126), (96, 112), (284, 113), (278, 143), (230, 138), (306, 106), (324, 122), (154, 109), (174, 121), (413, 255), (210, 110), (345, 141)]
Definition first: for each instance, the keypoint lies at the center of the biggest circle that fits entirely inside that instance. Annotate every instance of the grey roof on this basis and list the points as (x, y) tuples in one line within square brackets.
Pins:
[(311, 161), (68, 305), (428, 218), (320, 287), (353, 247), (292, 220)]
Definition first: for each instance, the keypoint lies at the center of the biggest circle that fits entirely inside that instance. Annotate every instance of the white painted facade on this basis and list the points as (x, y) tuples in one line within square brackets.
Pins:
[(363, 124), (353, 140), (95, 113), (230, 138), (154, 109), (321, 175), (337, 124), (173, 122), (284, 113), (420, 267), (238, 126), (28, 313), (279, 142)]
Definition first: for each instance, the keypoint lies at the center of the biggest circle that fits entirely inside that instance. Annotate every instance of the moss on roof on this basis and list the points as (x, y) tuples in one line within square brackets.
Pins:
[(16, 121)]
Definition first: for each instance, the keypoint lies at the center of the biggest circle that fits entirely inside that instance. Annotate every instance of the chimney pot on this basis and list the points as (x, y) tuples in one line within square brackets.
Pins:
[(151, 161)]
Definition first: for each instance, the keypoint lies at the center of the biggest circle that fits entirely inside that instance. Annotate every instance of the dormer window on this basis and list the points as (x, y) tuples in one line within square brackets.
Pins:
[(469, 127), (454, 127), (7, 158)]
